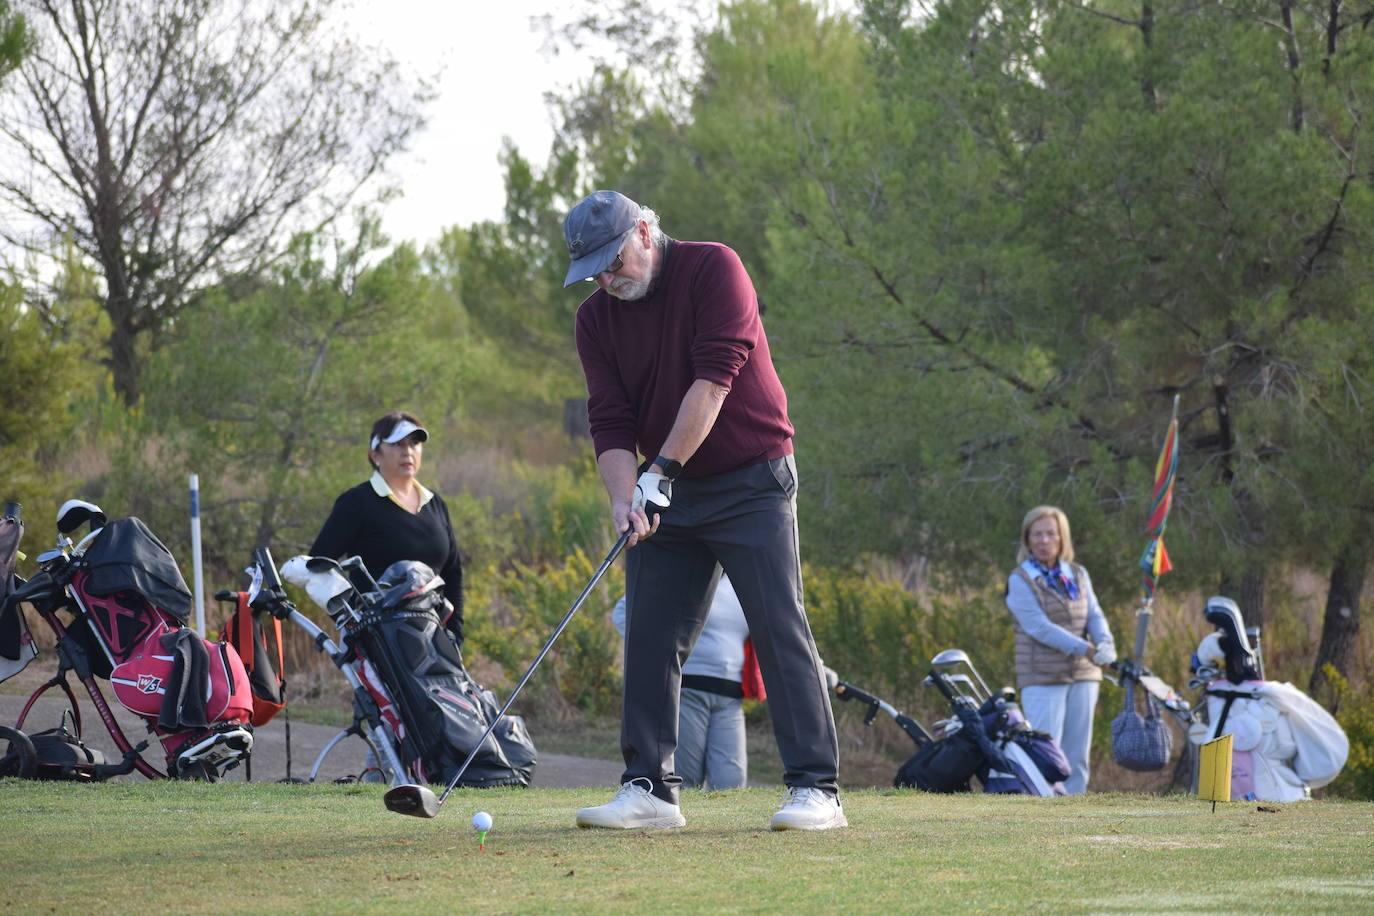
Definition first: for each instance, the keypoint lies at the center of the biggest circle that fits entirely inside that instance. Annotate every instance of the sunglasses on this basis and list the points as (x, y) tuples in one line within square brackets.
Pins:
[(618, 264)]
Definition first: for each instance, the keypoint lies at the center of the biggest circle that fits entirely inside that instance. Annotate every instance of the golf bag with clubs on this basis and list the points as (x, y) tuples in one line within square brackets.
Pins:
[(987, 737), (1283, 743), (414, 703), (17, 754), (118, 606), (1016, 759), (939, 766)]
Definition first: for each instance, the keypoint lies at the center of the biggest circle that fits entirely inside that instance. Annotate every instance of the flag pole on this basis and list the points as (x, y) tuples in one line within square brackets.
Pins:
[(1146, 610), (198, 578)]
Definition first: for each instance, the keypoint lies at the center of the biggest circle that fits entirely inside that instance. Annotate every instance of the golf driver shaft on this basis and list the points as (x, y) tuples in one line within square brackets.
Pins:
[(563, 624)]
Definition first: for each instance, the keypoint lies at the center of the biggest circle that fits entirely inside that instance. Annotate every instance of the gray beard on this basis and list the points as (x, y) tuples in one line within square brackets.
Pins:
[(627, 290)]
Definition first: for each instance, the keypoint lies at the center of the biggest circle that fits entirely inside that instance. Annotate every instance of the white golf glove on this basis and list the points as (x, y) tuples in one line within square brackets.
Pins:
[(832, 679), (653, 493), (1105, 655)]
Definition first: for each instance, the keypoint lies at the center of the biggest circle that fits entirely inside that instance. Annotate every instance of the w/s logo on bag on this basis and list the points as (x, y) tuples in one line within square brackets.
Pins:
[(148, 683)]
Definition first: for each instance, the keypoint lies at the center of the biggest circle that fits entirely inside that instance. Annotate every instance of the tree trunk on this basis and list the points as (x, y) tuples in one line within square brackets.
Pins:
[(1253, 597), (1340, 623), (123, 359), (1249, 591), (1147, 81)]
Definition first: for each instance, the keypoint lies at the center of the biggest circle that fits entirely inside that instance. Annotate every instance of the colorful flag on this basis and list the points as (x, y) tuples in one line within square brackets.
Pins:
[(1155, 560)]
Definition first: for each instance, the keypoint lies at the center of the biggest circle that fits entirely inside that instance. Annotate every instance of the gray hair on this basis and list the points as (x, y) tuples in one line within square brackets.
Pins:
[(650, 217)]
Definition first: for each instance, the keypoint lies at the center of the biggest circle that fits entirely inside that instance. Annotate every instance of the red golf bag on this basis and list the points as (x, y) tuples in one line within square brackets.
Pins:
[(118, 606)]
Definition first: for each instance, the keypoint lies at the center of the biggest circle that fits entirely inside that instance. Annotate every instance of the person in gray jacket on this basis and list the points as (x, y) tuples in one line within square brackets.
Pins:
[(1062, 638), (719, 675)]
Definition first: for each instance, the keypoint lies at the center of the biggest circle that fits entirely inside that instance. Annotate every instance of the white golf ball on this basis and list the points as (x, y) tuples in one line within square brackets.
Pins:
[(481, 821)]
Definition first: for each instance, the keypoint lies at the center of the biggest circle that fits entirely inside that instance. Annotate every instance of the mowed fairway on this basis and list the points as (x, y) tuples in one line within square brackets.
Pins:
[(237, 847)]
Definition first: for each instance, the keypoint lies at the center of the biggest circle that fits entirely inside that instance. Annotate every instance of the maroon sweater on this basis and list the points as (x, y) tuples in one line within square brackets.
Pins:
[(702, 322)]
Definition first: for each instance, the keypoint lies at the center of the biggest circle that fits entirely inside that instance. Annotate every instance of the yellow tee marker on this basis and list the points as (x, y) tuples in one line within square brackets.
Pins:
[(1214, 773)]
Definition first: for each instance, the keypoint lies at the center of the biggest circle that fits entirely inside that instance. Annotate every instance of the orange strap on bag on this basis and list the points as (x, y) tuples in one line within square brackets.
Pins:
[(246, 635)]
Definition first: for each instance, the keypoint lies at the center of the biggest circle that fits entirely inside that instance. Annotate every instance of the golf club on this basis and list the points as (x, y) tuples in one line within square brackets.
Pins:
[(963, 680), (951, 657), (1254, 635), (419, 801)]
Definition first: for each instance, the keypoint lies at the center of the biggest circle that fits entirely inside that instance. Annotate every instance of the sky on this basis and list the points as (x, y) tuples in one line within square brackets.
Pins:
[(491, 85)]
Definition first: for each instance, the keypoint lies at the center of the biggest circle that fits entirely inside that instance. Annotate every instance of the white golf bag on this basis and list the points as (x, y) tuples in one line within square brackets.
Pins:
[(1284, 744)]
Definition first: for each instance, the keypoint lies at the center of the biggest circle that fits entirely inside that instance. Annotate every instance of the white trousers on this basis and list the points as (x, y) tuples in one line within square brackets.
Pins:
[(1066, 712)]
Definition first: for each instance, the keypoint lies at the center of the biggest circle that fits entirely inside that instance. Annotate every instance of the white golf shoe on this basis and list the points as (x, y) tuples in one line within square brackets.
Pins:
[(633, 806), (809, 809)]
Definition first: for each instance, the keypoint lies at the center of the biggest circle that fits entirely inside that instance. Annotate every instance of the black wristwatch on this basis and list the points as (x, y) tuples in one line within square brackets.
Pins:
[(669, 467)]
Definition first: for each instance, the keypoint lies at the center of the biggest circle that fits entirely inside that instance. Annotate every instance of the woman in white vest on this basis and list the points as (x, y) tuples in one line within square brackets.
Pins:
[(1062, 638)]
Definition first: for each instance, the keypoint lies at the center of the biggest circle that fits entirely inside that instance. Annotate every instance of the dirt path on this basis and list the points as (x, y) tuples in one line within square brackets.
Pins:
[(269, 748)]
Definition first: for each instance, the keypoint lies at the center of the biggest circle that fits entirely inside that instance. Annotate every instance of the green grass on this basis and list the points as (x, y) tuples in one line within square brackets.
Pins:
[(238, 847)]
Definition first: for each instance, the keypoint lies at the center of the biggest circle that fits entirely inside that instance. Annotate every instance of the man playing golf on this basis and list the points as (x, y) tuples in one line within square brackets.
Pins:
[(678, 370)]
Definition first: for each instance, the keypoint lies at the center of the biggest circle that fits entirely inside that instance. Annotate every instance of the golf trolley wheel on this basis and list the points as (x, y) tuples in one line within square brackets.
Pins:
[(17, 754)]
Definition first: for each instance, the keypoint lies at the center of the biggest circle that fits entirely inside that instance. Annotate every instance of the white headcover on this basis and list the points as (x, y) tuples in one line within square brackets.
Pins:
[(321, 585), (1210, 655)]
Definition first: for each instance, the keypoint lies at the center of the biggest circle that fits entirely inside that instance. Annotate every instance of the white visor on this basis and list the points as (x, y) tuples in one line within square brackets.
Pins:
[(403, 429)]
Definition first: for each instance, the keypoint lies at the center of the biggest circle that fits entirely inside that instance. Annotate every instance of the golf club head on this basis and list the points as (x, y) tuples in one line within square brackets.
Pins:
[(974, 685), (417, 801), (949, 657)]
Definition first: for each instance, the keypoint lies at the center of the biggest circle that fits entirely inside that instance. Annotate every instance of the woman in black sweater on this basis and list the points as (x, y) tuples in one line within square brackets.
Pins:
[(392, 517)]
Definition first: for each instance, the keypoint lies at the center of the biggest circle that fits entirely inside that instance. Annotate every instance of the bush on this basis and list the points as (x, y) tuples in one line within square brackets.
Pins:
[(1355, 713), (513, 612), (881, 637)]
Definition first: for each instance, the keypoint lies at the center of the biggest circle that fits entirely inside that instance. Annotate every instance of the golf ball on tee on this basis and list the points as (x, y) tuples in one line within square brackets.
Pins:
[(481, 821)]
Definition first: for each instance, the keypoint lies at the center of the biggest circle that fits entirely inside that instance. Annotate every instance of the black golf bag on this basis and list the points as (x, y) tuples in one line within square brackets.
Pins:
[(414, 702), (438, 712), (16, 643), (986, 737), (944, 765)]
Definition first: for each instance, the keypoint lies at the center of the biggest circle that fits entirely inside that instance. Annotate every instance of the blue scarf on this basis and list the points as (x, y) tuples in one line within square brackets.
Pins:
[(1056, 578)]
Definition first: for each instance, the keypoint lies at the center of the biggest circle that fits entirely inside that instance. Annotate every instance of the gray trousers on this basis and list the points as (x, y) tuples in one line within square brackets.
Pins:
[(710, 741), (744, 521)]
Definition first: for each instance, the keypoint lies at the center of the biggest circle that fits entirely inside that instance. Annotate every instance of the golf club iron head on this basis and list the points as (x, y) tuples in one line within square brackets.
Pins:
[(952, 657), (417, 801), (966, 686), (949, 657)]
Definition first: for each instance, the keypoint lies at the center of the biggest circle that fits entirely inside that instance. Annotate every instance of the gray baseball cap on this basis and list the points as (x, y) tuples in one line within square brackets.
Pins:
[(593, 230)]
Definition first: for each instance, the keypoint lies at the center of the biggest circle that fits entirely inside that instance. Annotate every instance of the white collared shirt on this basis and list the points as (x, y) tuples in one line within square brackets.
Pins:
[(382, 488)]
